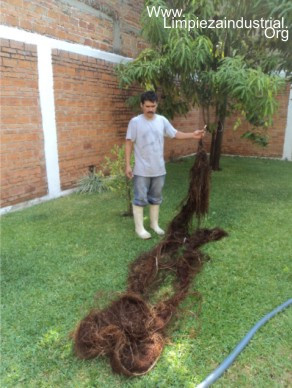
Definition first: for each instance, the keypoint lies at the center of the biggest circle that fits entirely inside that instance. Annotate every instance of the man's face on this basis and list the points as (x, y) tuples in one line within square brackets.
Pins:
[(149, 108)]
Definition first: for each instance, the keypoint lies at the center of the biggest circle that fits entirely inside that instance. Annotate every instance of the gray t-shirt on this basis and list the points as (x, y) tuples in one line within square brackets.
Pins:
[(148, 138)]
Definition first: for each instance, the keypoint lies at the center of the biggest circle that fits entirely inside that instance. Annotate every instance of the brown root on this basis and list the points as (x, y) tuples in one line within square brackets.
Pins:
[(131, 331), (137, 358)]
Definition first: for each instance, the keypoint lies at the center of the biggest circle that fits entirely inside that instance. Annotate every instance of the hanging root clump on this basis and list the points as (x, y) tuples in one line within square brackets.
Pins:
[(131, 331)]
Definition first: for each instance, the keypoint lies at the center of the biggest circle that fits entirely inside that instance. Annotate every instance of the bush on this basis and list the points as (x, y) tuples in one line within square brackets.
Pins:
[(117, 180), (111, 177), (92, 183)]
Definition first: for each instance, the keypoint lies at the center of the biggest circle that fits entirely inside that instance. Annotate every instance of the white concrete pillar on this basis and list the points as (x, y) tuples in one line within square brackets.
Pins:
[(47, 104)]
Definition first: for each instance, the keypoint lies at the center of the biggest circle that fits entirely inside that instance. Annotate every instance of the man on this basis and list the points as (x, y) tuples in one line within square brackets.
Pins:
[(146, 132)]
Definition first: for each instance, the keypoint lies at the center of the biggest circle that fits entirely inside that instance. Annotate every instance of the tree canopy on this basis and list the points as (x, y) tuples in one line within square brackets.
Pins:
[(223, 70)]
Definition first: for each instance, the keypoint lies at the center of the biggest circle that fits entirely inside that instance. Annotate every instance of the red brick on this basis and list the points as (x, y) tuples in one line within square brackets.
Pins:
[(17, 45), (22, 158)]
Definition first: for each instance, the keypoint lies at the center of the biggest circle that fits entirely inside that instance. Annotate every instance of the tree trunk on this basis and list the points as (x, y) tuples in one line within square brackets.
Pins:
[(212, 149), (217, 138), (216, 145), (221, 111)]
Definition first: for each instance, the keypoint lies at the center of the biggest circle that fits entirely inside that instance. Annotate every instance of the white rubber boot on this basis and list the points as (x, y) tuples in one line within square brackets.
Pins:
[(138, 220), (154, 214)]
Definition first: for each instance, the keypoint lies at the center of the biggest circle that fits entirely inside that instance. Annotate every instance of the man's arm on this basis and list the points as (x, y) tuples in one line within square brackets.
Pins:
[(199, 134), (128, 152)]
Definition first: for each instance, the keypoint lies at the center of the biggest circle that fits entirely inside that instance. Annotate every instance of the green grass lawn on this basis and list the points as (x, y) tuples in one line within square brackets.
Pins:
[(63, 257)]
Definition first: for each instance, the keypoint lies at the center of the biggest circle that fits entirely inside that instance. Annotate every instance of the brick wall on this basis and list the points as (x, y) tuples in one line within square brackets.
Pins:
[(22, 153), (90, 111), (91, 114), (91, 117), (233, 144), (111, 25)]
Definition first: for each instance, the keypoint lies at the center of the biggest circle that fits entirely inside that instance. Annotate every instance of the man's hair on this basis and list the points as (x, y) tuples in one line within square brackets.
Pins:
[(149, 96)]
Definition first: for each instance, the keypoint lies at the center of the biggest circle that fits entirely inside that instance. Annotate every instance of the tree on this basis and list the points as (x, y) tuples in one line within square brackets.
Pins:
[(222, 70)]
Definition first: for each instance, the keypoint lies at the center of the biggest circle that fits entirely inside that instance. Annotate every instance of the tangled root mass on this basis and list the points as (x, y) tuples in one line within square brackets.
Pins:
[(131, 331)]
